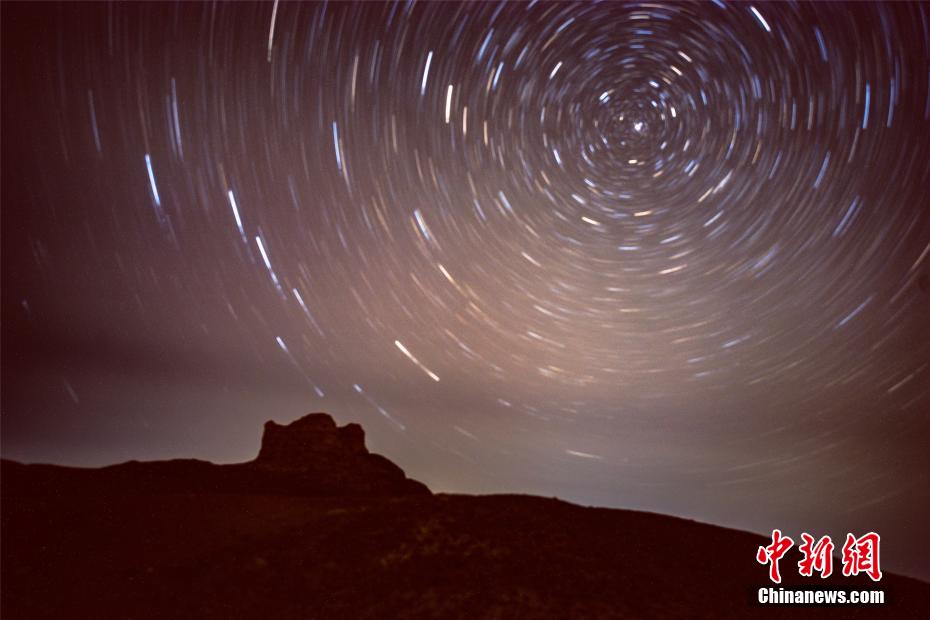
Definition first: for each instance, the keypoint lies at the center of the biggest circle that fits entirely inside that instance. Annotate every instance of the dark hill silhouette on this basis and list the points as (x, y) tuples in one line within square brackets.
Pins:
[(316, 527), (310, 456)]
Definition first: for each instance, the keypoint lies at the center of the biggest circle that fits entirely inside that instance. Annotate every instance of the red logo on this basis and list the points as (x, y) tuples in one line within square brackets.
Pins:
[(860, 555), (817, 557), (773, 553)]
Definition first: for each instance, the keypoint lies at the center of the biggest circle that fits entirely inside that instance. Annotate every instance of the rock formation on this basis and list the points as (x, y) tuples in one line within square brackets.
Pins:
[(316, 451)]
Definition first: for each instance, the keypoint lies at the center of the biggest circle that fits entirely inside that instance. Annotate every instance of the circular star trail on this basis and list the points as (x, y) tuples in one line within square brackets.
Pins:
[(645, 255)]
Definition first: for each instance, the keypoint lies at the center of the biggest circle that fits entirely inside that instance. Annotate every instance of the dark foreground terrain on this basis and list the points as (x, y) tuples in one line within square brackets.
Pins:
[(316, 527)]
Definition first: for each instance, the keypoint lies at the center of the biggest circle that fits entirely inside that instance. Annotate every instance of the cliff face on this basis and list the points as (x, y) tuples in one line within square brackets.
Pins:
[(310, 456), (315, 450), (312, 439)]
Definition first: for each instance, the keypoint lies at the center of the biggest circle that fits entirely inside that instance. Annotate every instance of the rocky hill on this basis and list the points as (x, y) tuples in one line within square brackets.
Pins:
[(316, 527)]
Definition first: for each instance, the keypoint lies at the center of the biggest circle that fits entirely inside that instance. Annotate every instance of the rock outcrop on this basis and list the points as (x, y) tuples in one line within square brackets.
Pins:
[(316, 451), (309, 440)]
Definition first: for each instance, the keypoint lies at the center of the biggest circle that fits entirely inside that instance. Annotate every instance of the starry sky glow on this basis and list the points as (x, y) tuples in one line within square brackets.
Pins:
[(670, 257)]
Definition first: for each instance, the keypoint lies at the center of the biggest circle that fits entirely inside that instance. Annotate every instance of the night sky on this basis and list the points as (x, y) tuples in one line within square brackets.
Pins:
[(662, 257)]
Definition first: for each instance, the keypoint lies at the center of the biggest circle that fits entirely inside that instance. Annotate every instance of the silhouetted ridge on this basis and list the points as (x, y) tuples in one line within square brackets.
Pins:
[(310, 456), (317, 527)]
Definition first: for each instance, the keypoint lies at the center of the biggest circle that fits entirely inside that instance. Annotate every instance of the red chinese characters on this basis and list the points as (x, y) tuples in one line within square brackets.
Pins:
[(817, 557), (773, 553), (860, 555)]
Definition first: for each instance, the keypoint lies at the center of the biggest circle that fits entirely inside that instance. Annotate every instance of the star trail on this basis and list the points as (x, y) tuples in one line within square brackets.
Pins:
[(659, 256)]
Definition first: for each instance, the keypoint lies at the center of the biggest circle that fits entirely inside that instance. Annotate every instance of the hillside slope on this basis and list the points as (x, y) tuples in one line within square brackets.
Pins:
[(90, 543)]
